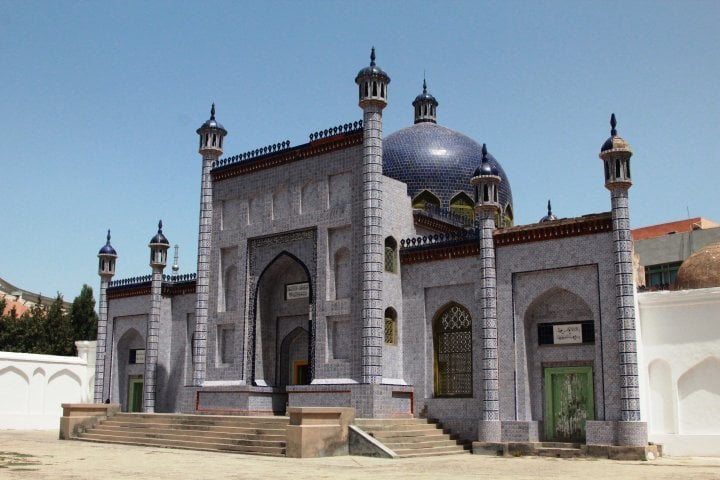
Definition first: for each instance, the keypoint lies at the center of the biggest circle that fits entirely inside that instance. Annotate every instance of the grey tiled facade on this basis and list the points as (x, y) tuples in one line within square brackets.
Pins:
[(315, 288)]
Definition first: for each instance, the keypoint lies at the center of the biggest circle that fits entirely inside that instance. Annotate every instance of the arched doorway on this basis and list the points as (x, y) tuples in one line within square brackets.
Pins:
[(560, 362), (130, 367), (294, 365), (281, 341)]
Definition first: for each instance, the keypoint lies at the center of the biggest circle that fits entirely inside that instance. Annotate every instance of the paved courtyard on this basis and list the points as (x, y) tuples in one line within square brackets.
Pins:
[(40, 455)]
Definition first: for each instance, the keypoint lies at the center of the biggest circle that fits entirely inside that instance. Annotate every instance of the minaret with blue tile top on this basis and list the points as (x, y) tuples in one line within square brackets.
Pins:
[(159, 246), (373, 94), (106, 270), (486, 181), (212, 135), (615, 154)]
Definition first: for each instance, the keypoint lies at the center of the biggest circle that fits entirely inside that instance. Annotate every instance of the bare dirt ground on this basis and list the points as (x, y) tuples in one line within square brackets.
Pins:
[(40, 455)]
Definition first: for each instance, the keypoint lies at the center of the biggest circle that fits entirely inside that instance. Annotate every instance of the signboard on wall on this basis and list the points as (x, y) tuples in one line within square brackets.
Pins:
[(567, 333), (294, 291)]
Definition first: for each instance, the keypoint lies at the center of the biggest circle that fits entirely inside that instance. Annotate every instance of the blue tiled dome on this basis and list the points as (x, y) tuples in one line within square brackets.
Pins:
[(427, 156), (107, 249), (159, 238)]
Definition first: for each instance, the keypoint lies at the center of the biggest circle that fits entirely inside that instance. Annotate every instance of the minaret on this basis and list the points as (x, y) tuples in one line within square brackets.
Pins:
[(425, 106), (106, 269), (158, 259), (615, 154), (211, 143), (487, 181), (372, 86)]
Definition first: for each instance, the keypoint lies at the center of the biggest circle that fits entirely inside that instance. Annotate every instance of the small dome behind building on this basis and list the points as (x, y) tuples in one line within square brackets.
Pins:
[(701, 269)]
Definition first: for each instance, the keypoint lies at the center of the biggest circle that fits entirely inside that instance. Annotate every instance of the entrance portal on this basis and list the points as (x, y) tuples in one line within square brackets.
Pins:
[(283, 317), (568, 402)]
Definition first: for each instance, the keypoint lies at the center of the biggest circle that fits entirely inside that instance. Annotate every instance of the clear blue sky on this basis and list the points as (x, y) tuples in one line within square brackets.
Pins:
[(100, 102)]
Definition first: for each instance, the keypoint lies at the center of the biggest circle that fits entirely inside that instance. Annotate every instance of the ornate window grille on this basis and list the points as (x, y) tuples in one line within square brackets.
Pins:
[(453, 352), (390, 255), (390, 327)]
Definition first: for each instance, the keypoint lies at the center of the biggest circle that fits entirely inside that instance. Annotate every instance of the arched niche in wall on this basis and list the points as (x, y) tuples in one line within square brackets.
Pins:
[(699, 398), (662, 410)]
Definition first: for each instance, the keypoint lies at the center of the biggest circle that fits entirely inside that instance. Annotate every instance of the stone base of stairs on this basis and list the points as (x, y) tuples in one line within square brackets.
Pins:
[(567, 450), (412, 437), (253, 435)]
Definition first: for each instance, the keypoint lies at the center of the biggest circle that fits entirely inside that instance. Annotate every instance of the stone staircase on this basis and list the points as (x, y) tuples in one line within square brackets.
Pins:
[(225, 433), (559, 450), (412, 437)]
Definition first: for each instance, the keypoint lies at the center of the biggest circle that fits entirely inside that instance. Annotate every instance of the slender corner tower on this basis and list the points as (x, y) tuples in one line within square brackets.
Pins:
[(211, 148), (372, 86), (106, 269), (486, 180), (158, 259), (615, 154)]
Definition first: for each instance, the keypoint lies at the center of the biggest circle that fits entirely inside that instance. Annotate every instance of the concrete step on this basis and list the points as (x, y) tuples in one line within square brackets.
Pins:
[(559, 445), (559, 452), (220, 420), (408, 453), (390, 434), (391, 421), (257, 430), (412, 437), (252, 435), (422, 445), (191, 445), (170, 434)]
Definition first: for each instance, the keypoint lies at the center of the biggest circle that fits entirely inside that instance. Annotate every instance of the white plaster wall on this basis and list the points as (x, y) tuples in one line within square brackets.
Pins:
[(680, 369), (34, 386)]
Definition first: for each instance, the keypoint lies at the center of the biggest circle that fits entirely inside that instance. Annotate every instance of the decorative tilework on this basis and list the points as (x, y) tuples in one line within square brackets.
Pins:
[(427, 156)]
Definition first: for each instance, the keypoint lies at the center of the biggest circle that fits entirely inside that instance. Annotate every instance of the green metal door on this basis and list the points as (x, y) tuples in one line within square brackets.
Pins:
[(568, 402), (135, 388)]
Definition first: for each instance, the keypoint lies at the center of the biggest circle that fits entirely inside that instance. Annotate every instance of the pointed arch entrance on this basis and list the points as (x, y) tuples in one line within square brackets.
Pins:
[(560, 355), (281, 347)]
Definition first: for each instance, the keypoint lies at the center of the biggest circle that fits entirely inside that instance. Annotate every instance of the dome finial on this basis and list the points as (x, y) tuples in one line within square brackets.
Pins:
[(108, 237), (212, 112), (372, 57), (424, 83), (549, 217), (160, 226), (484, 153), (613, 124)]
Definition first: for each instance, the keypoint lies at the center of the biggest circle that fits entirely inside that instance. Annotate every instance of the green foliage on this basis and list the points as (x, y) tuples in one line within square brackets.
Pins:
[(82, 315), (47, 329)]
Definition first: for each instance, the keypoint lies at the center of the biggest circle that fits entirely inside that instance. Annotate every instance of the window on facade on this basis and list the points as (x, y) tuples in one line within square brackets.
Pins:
[(462, 205), (390, 255), (662, 276), (137, 356), (390, 326), (424, 199), (452, 336)]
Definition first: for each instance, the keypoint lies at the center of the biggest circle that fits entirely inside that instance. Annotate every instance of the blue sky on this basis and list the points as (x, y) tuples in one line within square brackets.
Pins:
[(101, 101)]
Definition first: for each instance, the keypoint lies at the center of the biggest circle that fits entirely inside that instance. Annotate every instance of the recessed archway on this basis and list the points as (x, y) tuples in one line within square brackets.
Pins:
[(282, 306)]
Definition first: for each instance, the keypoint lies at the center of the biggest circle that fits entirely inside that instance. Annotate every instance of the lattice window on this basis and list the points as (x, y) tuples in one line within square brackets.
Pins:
[(453, 352), (390, 255), (390, 327)]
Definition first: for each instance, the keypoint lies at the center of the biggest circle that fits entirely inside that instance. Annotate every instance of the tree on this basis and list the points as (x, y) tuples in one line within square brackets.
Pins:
[(48, 329), (82, 315)]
